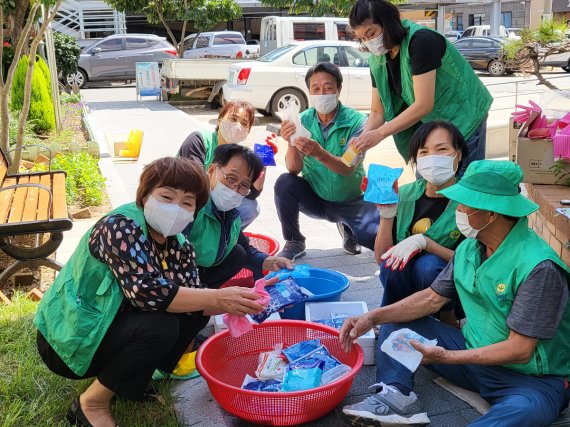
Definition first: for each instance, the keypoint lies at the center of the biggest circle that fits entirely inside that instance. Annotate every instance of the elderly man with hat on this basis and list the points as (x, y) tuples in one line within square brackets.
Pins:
[(514, 348)]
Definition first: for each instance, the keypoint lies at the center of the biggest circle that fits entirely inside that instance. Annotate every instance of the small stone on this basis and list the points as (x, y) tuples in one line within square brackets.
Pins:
[(26, 164), (41, 159), (4, 298), (82, 214), (35, 294)]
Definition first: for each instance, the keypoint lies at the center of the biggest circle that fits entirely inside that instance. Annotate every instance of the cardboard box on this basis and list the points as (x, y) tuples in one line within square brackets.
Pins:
[(323, 310), (219, 324)]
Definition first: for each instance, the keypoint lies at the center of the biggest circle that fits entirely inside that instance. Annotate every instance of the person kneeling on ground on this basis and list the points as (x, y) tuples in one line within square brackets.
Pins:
[(327, 189), (221, 248), (423, 222), (234, 124), (129, 300), (514, 348)]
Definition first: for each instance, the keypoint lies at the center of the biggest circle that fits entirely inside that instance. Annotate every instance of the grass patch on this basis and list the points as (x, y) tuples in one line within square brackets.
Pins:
[(32, 396)]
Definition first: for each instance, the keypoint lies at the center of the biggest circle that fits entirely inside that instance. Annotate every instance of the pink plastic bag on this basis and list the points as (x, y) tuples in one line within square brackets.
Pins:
[(239, 325)]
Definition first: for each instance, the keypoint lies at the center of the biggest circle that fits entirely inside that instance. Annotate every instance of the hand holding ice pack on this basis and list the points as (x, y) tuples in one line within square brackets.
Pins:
[(265, 154), (290, 113), (282, 294), (300, 270), (398, 347), (380, 188)]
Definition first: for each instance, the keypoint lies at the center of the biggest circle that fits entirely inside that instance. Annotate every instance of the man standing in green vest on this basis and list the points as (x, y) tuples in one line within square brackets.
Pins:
[(515, 347), (327, 189)]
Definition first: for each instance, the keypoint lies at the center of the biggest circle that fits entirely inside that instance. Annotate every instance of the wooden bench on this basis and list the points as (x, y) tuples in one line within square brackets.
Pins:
[(31, 204)]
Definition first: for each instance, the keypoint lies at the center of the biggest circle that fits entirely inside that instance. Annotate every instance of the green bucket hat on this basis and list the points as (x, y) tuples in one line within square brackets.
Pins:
[(492, 186)]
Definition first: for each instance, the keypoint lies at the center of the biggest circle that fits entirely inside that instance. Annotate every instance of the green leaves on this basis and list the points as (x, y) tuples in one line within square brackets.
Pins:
[(67, 52), (206, 14), (316, 7)]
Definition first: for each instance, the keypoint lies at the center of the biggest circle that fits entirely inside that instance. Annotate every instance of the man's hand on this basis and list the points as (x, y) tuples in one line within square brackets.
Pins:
[(352, 328), (309, 147), (366, 140), (287, 130), (432, 354), (388, 211), (273, 263), (399, 255)]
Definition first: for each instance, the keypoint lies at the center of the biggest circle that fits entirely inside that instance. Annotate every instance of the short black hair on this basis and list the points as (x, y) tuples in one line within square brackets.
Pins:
[(324, 67), (383, 13), (421, 134), (224, 153)]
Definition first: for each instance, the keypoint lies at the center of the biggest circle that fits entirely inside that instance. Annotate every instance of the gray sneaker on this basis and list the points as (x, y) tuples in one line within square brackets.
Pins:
[(293, 249), (389, 407)]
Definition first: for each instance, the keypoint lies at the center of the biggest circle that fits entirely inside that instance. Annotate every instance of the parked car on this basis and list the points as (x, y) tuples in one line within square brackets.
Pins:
[(483, 31), (558, 60), (485, 53), (514, 33), (279, 76), (220, 45), (114, 57), (453, 35)]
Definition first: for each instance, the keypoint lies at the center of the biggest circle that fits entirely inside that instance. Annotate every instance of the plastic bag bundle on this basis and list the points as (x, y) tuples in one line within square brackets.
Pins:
[(398, 347), (282, 294), (381, 183), (290, 113), (265, 154), (300, 270)]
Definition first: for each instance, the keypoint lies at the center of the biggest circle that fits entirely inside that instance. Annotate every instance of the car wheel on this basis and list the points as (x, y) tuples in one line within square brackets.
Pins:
[(567, 68), (496, 68), (79, 78), (281, 98)]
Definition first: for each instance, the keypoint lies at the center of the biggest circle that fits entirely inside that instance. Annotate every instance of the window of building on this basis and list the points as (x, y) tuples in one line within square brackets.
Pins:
[(507, 19)]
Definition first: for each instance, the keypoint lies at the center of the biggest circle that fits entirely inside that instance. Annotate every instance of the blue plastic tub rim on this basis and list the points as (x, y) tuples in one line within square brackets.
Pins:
[(334, 276)]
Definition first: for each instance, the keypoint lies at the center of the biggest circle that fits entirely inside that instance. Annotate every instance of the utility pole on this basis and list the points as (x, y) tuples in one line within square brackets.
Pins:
[(496, 18)]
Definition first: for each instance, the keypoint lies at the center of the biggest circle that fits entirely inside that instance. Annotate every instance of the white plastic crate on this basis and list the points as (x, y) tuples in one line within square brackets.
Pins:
[(323, 310), (219, 324)]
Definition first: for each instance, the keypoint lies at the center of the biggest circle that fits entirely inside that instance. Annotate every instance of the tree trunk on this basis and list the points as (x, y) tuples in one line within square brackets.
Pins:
[(180, 47), (537, 73), (15, 22), (168, 30)]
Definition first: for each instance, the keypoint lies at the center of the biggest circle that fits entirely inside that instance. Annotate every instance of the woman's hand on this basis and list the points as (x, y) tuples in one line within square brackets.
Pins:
[(287, 130), (273, 263), (366, 140), (352, 328), (237, 300), (399, 255)]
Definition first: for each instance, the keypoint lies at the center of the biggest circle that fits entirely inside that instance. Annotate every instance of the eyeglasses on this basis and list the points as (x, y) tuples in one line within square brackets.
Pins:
[(234, 184)]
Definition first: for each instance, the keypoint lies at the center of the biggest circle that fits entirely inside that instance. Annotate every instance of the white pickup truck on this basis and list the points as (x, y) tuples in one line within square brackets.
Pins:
[(219, 45), (195, 78)]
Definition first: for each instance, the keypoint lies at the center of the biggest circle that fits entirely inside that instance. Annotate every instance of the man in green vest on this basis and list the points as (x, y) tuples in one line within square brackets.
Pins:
[(327, 188), (514, 348)]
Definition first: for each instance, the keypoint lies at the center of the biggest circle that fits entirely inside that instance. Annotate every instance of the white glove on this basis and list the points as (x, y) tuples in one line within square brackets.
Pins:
[(400, 254), (388, 211)]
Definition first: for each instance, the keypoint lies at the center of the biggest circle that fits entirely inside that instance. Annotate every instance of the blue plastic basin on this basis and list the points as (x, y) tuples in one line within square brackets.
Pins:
[(326, 285)]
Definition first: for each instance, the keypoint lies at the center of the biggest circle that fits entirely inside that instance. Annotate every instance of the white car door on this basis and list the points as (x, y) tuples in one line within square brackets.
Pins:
[(359, 88)]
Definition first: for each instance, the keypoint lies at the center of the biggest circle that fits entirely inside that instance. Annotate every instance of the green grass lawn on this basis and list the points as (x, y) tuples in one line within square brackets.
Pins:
[(33, 396)]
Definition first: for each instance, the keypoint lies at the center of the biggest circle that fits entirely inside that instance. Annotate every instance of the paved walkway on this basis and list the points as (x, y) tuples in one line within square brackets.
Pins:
[(115, 110)]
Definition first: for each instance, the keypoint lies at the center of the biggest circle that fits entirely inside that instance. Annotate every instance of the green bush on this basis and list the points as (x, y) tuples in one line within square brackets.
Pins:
[(69, 98), (42, 112), (84, 182), (67, 52), (43, 67)]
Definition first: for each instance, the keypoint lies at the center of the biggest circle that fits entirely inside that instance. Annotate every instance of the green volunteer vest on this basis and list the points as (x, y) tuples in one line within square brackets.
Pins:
[(211, 143), (487, 291), (328, 185), (205, 236), (443, 231), (460, 97), (78, 308)]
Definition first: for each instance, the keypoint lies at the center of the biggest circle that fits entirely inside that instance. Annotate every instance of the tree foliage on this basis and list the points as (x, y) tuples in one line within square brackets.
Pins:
[(41, 112), (535, 46), (316, 7), (67, 52)]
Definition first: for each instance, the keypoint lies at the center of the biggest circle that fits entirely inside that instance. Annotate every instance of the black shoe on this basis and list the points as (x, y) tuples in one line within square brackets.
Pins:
[(76, 416), (349, 243)]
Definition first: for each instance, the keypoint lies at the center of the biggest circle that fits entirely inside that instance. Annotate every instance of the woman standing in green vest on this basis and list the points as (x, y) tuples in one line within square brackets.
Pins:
[(129, 300), (417, 76), (233, 126), (422, 224)]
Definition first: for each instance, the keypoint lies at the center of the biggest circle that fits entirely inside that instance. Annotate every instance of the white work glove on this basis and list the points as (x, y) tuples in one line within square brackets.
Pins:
[(388, 211), (400, 254)]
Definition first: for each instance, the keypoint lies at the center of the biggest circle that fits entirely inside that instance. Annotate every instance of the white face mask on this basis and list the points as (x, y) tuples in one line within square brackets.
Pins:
[(225, 198), (233, 132), (168, 219), (324, 104), (376, 45), (436, 169), (462, 221)]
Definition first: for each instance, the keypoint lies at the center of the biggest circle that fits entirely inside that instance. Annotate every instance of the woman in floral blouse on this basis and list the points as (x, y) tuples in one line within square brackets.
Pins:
[(129, 300)]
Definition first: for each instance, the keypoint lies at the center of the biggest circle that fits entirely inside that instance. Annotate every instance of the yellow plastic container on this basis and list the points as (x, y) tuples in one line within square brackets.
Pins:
[(349, 156)]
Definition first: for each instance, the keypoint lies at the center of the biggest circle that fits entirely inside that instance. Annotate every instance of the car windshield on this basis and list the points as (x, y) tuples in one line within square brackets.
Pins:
[(277, 53)]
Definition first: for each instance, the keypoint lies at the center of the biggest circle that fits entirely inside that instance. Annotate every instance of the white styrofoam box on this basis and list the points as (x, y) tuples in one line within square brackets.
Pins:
[(219, 324), (323, 310)]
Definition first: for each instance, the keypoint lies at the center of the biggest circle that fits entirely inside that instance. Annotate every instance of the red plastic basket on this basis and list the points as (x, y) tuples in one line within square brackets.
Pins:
[(262, 243), (224, 361)]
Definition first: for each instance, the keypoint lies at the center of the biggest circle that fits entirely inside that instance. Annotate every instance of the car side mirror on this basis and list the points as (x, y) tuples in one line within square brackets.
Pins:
[(96, 50)]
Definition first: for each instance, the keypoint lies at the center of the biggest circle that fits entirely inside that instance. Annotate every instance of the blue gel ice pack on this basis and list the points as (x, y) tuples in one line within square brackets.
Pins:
[(282, 294), (265, 154), (380, 189), (255, 384), (303, 375), (301, 349), (300, 270)]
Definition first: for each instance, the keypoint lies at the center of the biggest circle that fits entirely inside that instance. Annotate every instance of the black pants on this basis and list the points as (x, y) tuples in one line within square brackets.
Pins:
[(215, 276), (137, 343)]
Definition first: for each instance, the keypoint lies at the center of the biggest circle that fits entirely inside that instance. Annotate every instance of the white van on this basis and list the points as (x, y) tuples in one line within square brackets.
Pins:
[(277, 31), (483, 31)]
